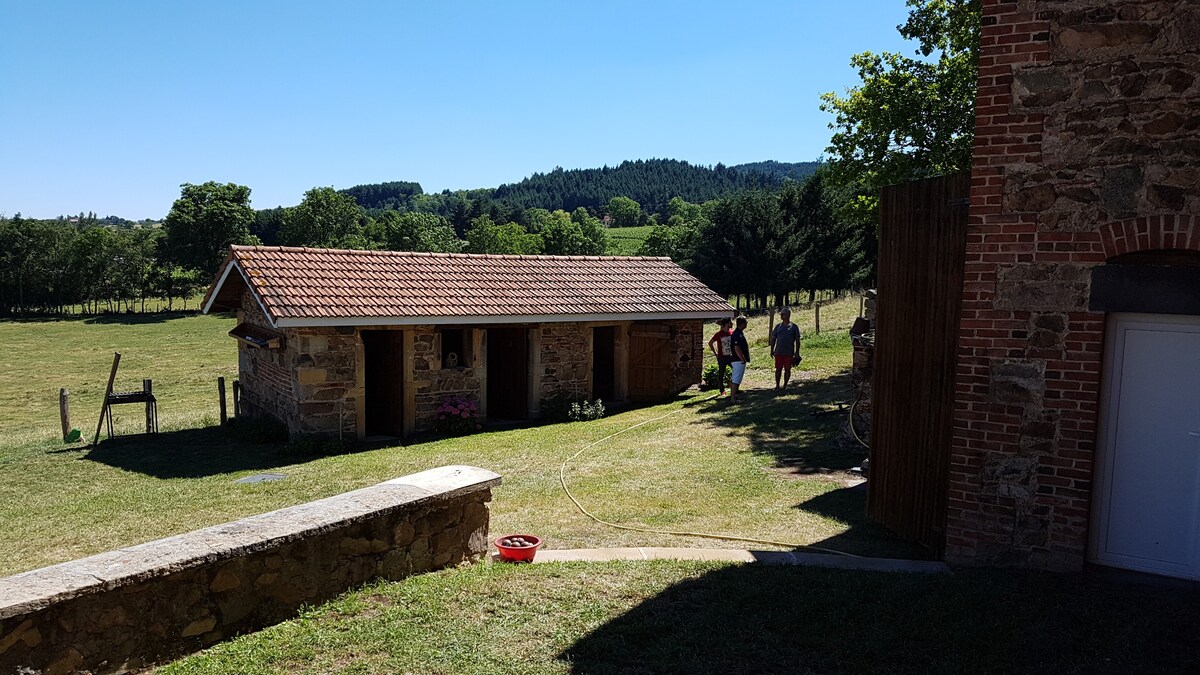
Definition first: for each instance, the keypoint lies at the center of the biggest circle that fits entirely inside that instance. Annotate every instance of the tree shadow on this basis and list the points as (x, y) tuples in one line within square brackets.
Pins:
[(193, 453), (758, 618), (784, 426), (863, 536)]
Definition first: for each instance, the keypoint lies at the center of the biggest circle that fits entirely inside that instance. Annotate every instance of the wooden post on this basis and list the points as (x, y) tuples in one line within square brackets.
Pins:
[(237, 398), (221, 398), (64, 412), (112, 376), (771, 323), (148, 387), (817, 315), (862, 304)]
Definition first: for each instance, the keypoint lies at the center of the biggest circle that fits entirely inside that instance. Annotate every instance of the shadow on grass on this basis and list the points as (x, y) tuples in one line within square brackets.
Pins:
[(803, 620), (107, 318), (193, 453), (783, 426)]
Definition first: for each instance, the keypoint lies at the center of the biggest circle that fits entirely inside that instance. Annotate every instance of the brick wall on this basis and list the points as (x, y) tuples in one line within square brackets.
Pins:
[(1085, 148)]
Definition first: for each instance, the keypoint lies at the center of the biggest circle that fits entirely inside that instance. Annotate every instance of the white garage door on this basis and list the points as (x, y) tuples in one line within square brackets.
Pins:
[(1147, 510)]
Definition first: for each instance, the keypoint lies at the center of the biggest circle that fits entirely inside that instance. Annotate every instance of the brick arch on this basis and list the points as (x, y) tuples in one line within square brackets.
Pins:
[(1149, 233)]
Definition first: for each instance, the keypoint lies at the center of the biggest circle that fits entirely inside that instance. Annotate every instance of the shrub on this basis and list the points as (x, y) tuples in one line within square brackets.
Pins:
[(457, 415), (571, 409), (711, 377)]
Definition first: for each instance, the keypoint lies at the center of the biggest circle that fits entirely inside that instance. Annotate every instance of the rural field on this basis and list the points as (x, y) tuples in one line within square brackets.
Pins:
[(627, 240), (767, 469)]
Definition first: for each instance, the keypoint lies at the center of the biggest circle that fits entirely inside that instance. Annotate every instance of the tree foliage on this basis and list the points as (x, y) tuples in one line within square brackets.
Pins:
[(204, 221), (325, 217)]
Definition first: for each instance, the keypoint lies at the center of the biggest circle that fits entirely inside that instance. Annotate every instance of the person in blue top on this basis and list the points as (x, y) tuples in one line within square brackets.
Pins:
[(741, 358), (785, 347)]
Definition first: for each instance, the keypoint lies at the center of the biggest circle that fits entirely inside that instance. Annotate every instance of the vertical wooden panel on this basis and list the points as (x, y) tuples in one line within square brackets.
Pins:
[(922, 244)]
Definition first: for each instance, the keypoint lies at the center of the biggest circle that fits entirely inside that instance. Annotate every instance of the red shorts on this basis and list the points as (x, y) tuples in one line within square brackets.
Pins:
[(782, 361)]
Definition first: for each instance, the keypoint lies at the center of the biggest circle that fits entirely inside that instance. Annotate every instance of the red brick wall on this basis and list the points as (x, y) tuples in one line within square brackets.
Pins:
[(1087, 136)]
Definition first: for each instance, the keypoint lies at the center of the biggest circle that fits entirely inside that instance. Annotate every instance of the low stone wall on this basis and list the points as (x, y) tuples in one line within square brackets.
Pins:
[(132, 607)]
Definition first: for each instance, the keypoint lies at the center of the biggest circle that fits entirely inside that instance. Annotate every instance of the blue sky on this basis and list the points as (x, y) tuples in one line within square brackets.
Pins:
[(110, 106)]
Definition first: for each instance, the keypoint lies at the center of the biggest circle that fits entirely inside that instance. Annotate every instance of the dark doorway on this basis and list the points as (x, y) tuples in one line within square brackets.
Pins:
[(603, 362), (507, 374), (383, 356)]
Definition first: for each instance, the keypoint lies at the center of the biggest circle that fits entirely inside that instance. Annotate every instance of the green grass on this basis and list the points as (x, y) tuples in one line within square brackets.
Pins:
[(627, 240), (666, 616), (767, 469)]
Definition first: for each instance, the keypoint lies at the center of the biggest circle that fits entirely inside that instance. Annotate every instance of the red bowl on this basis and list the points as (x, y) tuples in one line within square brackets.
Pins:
[(518, 553)]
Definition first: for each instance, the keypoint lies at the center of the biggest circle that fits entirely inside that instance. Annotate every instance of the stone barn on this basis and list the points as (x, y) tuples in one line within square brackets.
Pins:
[(367, 344), (1077, 406)]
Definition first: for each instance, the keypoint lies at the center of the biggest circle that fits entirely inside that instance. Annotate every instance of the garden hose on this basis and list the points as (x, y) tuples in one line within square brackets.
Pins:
[(562, 478)]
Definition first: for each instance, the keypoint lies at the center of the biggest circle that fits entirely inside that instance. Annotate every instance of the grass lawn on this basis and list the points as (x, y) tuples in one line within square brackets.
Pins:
[(627, 240), (766, 469), (675, 617)]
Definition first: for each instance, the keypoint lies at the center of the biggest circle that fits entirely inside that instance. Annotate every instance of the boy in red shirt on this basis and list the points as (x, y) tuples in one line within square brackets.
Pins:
[(721, 344)]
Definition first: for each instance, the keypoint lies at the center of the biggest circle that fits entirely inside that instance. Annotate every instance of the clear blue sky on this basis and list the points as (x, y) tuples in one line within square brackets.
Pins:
[(110, 106)]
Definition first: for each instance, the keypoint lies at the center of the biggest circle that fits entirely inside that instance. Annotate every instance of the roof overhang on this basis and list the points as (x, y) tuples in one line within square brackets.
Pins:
[(315, 322), (215, 291)]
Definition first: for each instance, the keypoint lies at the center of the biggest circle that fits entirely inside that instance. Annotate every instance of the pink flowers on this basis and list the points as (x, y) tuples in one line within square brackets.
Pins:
[(457, 414)]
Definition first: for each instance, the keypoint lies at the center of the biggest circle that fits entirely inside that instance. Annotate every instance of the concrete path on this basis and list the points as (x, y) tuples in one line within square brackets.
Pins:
[(805, 558)]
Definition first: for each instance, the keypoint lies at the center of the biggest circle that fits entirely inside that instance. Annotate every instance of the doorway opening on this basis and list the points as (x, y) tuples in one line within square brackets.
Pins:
[(507, 374), (383, 366), (604, 362)]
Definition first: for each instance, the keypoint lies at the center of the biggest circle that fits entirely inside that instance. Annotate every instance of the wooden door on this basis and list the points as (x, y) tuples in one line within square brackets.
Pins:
[(1147, 513), (922, 245), (383, 355), (507, 373), (649, 365)]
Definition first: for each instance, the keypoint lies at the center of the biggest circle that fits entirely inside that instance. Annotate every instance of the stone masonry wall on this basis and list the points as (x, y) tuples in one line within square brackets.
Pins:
[(133, 607), (434, 382), (687, 353), (1085, 148), (309, 385), (566, 358)]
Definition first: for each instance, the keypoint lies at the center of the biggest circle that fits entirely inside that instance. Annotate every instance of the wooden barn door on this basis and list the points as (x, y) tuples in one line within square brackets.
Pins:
[(649, 364), (922, 243), (507, 373)]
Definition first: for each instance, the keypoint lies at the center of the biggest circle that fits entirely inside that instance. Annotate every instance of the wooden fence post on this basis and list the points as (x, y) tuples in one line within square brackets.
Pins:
[(64, 412), (817, 316), (221, 398), (148, 387), (237, 398)]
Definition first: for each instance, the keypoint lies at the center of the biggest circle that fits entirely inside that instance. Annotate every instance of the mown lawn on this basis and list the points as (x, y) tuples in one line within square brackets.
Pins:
[(766, 469), (691, 617)]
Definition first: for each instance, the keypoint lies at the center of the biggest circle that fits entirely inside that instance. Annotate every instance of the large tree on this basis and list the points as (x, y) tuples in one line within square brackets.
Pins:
[(625, 212), (204, 221), (911, 117), (325, 217)]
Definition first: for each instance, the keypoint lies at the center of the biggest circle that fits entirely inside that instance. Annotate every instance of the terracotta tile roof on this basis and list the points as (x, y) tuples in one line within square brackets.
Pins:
[(325, 284)]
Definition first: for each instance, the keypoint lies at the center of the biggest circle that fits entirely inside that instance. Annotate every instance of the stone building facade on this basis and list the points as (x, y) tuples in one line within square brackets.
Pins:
[(1086, 148), (361, 344)]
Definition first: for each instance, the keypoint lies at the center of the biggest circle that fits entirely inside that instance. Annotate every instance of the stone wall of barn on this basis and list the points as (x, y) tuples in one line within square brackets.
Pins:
[(310, 384), (1087, 135), (564, 364), (687, 353), (433, 382), (128, 609)]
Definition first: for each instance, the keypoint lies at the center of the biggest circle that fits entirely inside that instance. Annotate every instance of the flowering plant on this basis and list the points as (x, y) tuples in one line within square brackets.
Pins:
[(457, 415)]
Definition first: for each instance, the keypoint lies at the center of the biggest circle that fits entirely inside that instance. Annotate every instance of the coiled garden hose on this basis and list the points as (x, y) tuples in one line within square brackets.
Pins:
[(562, 478)]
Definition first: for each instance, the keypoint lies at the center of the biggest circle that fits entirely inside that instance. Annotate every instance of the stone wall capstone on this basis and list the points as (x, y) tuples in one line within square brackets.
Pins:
[(136, 606)]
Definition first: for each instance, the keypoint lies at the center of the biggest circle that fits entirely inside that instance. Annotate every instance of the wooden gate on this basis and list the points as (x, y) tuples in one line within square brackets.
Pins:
[(649, 364), (922, 244)]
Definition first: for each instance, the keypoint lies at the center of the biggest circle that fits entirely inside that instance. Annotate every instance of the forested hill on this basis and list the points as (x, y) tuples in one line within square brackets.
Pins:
[(651, 183), (796, 171)]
